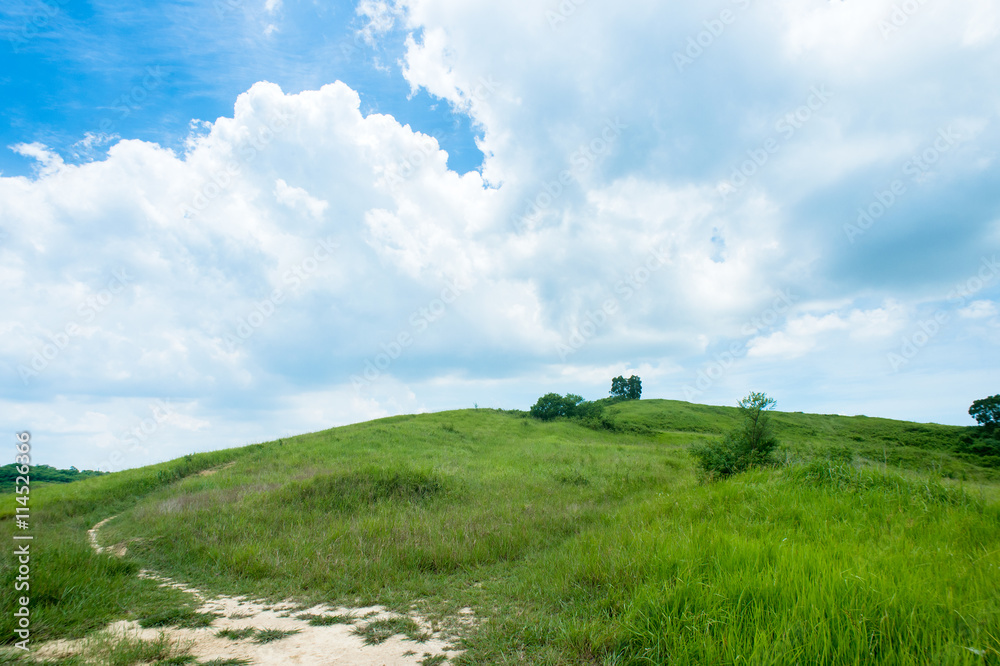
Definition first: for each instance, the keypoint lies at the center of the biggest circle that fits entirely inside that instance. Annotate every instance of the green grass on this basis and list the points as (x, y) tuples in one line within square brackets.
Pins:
[(875, 541), (178, 617), (73, 592), (127, 650), (271, 635), (178, 660), (327, 620), (379, 631), (235, 634), (108, 649)]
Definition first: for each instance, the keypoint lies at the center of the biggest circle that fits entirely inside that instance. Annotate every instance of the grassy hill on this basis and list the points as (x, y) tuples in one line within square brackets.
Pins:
[(876, 541)]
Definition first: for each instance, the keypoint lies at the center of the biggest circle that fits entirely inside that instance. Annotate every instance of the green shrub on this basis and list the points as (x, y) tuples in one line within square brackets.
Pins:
[(751, 444), (552, 405)]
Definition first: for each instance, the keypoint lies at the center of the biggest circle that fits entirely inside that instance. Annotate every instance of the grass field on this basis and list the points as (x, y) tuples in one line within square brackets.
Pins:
[(874, 541)]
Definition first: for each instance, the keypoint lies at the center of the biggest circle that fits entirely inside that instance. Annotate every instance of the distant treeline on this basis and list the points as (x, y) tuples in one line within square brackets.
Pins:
[(42, 473)]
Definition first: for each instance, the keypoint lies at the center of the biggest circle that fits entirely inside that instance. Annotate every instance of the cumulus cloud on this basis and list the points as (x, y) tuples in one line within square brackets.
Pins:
[(379, 16), (805, 333), (301, 263), (979, 310)]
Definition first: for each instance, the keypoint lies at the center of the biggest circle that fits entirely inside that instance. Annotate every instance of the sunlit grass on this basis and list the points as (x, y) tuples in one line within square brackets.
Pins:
[(874, 542)]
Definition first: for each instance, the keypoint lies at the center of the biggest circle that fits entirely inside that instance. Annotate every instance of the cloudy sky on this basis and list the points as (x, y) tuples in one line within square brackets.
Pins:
[(225, 222)]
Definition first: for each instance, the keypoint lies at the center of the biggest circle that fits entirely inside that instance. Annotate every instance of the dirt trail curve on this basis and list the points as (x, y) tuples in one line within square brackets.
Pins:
[(312, 645)]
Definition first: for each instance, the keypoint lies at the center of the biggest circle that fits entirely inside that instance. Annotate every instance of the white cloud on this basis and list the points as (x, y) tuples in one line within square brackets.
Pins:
[(380, 17), (289, 244), (806, 333), (298, 199), (979, 310), (48, 161)]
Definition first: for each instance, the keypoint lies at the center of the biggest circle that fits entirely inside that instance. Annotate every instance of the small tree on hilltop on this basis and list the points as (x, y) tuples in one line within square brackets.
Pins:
[(634, 387), (986, 412), (626, 389), (751, 444)]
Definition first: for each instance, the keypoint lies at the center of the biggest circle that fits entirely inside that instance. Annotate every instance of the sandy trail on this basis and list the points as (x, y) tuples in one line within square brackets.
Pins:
[(333, 644)]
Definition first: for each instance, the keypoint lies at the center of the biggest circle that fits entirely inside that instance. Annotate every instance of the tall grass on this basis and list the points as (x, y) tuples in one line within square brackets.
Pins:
[(576, 545), (72, 591)]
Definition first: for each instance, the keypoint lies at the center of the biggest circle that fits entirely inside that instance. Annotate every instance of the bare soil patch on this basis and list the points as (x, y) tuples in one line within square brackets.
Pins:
[(284, 633)]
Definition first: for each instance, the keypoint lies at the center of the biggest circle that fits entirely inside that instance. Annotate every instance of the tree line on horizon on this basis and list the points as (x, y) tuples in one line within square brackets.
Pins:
[(42, 474)]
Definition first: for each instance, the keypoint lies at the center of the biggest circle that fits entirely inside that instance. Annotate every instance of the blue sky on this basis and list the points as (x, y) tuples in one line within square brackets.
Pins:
[(97, 67), (227, 222)]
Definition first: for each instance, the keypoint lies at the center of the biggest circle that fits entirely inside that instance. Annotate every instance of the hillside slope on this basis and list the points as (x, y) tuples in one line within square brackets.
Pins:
[(877, 541)]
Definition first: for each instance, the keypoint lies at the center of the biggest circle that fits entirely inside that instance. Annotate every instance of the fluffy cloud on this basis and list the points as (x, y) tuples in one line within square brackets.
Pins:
[(640, 204)]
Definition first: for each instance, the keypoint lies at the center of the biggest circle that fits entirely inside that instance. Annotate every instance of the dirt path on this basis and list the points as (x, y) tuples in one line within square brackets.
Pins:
[(332, 644)]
